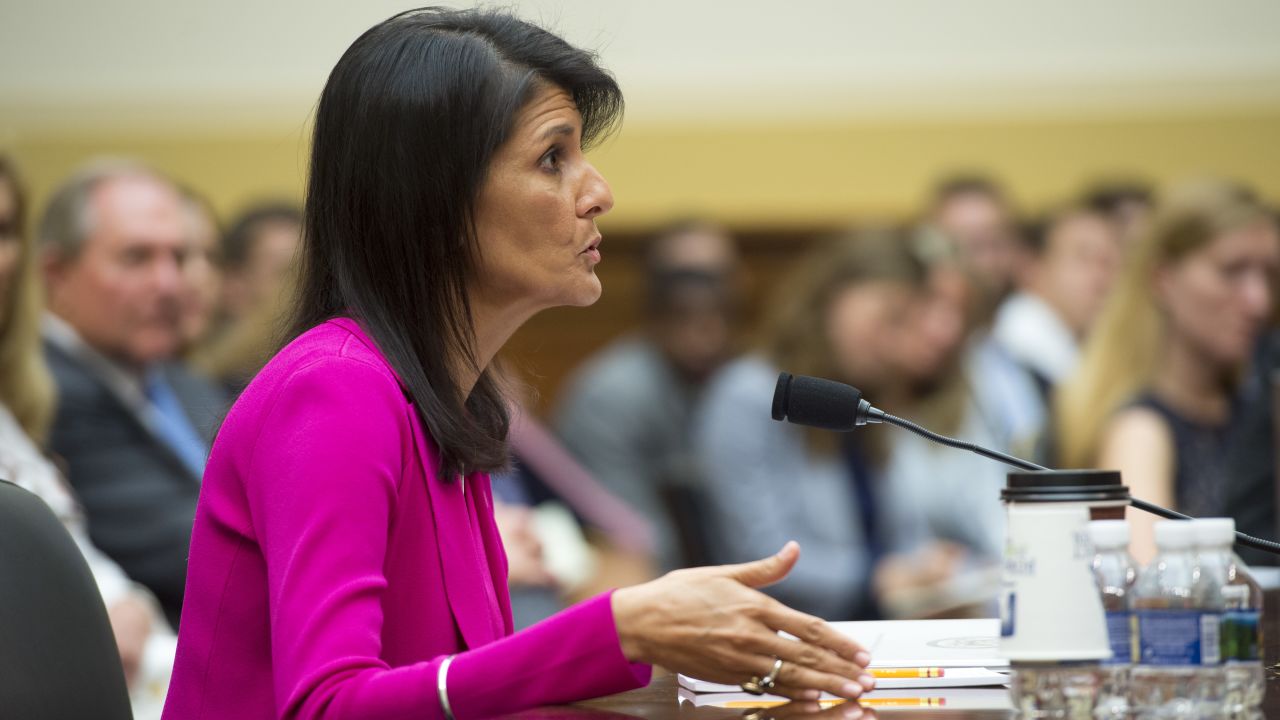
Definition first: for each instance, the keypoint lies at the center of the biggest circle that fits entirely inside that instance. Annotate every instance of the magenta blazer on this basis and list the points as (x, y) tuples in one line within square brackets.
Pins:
[(332, 570)]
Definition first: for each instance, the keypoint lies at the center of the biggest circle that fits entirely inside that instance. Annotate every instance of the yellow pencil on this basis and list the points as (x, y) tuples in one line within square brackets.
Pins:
[(865, 701), (925, 672)]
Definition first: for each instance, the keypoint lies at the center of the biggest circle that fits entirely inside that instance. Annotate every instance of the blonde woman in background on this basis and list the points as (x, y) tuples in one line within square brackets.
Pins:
[(1156, 393), (27, 401)]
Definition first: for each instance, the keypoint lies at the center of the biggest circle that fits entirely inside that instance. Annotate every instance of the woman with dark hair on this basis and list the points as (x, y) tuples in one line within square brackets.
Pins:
[(344, 562)]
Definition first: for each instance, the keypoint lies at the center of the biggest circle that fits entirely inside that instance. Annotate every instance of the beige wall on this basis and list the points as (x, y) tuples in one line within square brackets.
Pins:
[(753, 112), (797, 174)]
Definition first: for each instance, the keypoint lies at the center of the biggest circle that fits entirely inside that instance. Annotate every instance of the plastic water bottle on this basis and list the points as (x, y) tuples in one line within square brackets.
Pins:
[(1115, 572), (1242, 613), (1179, 611)]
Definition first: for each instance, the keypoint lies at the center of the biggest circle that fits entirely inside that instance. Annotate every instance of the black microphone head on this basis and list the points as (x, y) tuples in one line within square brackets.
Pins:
[(816, 402), (780, 395)]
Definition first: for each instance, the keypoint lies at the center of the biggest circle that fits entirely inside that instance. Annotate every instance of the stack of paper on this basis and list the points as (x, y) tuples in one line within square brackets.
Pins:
[(906, 655), (974, 698)]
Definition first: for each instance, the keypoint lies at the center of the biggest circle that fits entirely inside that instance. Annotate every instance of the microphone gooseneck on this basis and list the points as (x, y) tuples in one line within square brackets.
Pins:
[(961, 444), (831, 405)]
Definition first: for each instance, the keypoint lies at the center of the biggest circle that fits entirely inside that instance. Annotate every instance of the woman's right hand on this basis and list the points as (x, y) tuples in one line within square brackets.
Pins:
[(712, 623)]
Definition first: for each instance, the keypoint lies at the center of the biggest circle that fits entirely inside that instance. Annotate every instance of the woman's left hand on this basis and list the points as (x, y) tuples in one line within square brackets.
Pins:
[(712, 623)]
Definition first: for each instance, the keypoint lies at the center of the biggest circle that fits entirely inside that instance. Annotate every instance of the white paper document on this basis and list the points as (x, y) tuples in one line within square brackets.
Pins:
[(928, 643), (941, 699), (954, 677), (964, 649)]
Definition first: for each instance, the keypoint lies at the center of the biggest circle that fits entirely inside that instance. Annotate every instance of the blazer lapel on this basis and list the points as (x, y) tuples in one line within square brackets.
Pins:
[(495, 552), (480, 605), (465, 575)]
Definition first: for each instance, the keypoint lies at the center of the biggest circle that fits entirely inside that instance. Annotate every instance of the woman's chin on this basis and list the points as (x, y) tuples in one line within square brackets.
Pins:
[(587, 292)]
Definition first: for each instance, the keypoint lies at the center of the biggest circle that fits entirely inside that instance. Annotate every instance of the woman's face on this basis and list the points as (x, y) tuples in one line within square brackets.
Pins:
[(863, 324), (1218, 298), (934, 331), (536, 214), (10, 243)]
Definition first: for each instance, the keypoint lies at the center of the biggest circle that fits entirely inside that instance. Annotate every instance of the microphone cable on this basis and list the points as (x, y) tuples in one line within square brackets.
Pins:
[(875, 414)]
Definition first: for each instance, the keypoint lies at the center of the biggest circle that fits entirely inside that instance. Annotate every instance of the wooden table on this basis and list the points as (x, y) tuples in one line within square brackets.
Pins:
[(659, 702)]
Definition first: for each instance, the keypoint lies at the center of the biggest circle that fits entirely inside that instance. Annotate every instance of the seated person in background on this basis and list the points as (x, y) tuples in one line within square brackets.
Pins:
[(202, 270), (133, 426), (258, 261), (840, 315), (626, 412), (975, 213), (957, 493), (259, 251), (545, 503), (1156, 395), (1073, 256), (26, 409), (1126, 203), (1251, 465)]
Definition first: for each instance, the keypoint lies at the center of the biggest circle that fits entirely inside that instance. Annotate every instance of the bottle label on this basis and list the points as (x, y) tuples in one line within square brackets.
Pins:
[(1241, 636), (1119, 633), (1179, 637), (1008, 613)]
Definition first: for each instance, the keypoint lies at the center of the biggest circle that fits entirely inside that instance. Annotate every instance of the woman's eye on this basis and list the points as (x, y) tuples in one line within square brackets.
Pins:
[(551, 160)]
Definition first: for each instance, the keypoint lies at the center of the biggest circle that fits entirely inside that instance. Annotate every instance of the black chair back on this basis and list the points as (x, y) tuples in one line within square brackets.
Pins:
[(58, 657)]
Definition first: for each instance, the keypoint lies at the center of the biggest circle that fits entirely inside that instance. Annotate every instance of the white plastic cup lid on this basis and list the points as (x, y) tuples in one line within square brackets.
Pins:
[(1109, 534), (1214, 531), (1174, 534)]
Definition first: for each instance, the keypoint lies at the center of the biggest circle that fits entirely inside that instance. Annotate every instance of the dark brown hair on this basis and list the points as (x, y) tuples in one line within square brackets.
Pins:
[(404, 132)]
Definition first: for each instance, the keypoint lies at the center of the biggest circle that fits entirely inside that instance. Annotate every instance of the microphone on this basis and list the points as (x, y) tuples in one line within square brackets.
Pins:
[(820, 403), (832, 405)]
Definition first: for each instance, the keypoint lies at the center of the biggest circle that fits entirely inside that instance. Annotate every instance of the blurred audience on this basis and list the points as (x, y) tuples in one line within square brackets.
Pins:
[(258, 251), (133, 425), (1072, 257), (258, 265), (1252, 495), (1126, 203), (203, 271), (842, 314), (27, 399), (626, 412), (665, 454), (1156, 394), (546, 503), (976, 214), (958, 494)]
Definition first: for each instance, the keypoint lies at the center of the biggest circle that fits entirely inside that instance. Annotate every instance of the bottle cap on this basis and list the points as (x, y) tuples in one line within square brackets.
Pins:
[(1109, 534), (1174, 535), (1214, 531)]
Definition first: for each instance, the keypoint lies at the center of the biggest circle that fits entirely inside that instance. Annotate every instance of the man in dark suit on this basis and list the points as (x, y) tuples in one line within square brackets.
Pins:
[(133, 426)]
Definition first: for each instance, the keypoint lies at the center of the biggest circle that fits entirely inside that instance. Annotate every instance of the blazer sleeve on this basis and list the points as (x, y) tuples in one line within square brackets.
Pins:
[(322, 483)]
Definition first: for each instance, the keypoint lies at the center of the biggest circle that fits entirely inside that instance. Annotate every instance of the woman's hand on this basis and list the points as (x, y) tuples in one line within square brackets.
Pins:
[(933, 564), (712, 624), (131, 623), (525, 567)]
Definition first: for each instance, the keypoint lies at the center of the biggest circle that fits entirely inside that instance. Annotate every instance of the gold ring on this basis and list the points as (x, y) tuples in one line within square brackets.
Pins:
[(772, 677), (753, 686)]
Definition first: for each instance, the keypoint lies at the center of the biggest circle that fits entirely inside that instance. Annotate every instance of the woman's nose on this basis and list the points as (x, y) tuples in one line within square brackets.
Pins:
[(596, 198)]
